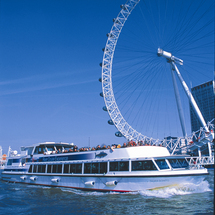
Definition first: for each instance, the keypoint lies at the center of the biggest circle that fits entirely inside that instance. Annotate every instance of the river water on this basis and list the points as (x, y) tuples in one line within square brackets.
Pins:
[(187, 199)]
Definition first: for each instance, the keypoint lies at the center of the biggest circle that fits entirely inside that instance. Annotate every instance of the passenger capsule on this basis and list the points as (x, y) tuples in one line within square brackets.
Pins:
[(124, 7), (110, 122), (115, 20), (101, 64), (105, 50), (104, 108), (100, 79), (110, 35), (118, 134), (101, 94)]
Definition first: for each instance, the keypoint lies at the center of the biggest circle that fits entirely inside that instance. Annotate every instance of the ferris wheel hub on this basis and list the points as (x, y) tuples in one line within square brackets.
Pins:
[(170, 58)]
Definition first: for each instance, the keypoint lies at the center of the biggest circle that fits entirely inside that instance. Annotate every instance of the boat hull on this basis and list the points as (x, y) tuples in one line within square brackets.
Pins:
[(107, 183)]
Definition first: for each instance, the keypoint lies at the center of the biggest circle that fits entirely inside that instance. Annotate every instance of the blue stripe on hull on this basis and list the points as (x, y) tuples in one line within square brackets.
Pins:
[(67, 157)]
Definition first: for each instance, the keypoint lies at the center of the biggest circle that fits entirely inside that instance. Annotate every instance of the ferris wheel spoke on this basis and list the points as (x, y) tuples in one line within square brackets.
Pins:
[(135, 82)]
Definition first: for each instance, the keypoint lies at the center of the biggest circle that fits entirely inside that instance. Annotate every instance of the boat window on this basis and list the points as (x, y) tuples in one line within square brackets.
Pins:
[(49, 169), (66, 168), (119, 166), (24, 160), (95, 167), (162, 164), (54, 168), (14, 170), (16, 160), (59, 147), (99, 168), (87, 168), (57, 168), (67, 147), (124, 166), (91, 168), (143, 165), (103, 167), (113, 166), (76, 168), (50, 148), (35, 168), (39, 150), (41, 168), (30, 149), (30, 169), (72, 168), (79, 168), (178, 163), (9, 162)]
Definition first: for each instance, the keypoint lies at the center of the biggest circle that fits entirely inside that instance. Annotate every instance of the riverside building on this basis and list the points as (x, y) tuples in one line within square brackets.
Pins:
[(204, 96)]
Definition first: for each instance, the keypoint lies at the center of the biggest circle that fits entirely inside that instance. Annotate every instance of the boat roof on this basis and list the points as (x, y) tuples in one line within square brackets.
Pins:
[(55, 144), (49, 144)]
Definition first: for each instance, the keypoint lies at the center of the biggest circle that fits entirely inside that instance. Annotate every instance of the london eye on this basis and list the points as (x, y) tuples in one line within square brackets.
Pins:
[(138, 87)]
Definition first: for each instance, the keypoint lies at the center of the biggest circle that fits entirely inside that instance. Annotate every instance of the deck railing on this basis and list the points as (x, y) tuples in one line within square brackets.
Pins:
[(204, 160)]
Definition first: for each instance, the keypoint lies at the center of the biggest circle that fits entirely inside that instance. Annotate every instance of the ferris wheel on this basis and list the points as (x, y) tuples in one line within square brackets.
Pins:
[(133, 68)]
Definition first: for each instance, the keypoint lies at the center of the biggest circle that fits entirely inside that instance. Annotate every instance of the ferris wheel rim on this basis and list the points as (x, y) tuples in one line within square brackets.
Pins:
[(107, 90)]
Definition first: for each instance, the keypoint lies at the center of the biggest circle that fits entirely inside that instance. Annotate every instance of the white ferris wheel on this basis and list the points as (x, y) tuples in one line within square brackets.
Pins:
[(132, 71)]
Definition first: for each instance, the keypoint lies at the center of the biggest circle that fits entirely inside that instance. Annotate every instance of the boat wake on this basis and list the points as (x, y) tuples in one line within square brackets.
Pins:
[(83, 193), (177, 190), (167, 192)]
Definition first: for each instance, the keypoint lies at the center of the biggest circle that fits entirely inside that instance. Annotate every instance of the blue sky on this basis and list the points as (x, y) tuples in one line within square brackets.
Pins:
[(50, 52)]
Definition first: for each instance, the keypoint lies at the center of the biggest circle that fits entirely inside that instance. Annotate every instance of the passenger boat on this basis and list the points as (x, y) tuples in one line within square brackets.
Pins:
[(116, 169), (3, 160), (2, 165)]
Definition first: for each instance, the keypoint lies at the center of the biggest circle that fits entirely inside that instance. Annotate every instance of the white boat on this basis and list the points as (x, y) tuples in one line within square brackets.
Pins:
[(120, 169), (2, 166), (2, 161)]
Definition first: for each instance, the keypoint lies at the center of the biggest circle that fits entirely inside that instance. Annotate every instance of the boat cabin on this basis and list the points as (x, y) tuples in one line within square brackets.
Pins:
[(46, 148)]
